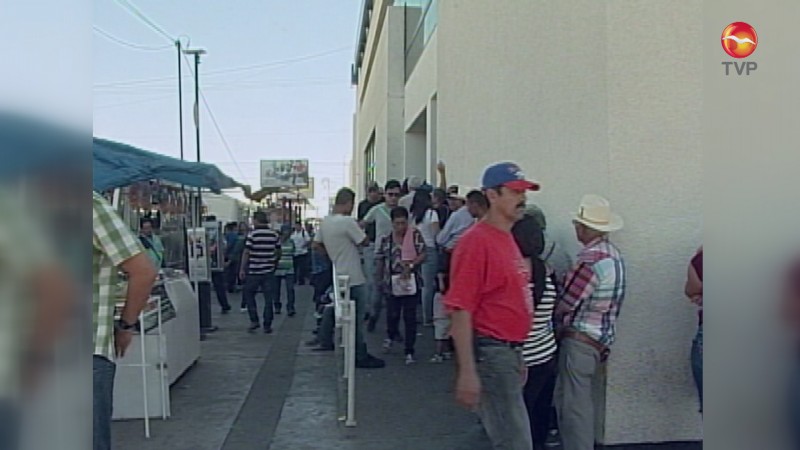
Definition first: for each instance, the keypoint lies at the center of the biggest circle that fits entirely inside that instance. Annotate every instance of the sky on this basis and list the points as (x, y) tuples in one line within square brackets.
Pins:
[(296, 103)]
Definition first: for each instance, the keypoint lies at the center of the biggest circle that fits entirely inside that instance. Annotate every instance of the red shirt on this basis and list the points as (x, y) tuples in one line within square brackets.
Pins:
[(489, 280)]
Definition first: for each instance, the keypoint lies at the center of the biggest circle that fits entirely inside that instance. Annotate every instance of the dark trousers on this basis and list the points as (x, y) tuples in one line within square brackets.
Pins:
[(407, 307), (266, 283), (288, 281), (538, 395), (218, 281), (321, 281), (327, 327), (232, 276), (103, 372), (302, 267)]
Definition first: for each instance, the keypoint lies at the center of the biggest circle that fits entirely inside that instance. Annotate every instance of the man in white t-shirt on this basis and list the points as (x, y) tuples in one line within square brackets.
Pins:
[(302, 260), (340, 236)]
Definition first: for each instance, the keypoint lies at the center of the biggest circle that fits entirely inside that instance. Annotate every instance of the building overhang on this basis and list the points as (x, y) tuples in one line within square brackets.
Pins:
[(361, 43)]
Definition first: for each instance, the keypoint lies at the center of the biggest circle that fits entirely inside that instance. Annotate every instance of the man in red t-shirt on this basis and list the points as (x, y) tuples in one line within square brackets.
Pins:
[(491, 309)]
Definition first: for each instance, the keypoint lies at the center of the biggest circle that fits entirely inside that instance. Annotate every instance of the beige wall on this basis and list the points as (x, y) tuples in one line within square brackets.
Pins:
[(588, 98), (381, 108), (587, 102)]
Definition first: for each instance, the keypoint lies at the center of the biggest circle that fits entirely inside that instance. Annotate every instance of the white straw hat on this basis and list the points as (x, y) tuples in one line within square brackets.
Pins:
[(595, 212)]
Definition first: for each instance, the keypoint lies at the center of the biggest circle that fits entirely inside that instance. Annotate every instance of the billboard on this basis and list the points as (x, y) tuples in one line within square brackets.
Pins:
[(308, 192), (284, 173)]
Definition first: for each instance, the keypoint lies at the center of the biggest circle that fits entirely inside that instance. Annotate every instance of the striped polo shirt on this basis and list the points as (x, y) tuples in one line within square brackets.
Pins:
[(540, 345), (262, 245)]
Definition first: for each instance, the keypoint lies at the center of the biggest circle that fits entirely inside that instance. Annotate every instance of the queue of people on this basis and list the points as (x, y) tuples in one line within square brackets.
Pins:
[(531, 335)]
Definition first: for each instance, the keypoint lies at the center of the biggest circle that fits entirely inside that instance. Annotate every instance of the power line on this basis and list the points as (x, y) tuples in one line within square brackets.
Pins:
[(128, 6), (112, 38), (216, 124), (135, 102), (230, 70)]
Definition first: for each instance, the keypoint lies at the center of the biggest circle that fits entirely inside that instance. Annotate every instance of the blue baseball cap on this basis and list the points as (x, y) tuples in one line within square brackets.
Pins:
[(507, 174)]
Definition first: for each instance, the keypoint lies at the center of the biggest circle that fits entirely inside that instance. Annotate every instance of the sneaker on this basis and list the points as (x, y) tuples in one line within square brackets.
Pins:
[(437, 358), (410, 359), (370, 362), (243, 309), (387, 345), (447, 356), (253, 327)]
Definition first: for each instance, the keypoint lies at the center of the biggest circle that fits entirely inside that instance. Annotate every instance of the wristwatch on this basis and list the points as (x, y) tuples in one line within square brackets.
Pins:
[(121, 325)]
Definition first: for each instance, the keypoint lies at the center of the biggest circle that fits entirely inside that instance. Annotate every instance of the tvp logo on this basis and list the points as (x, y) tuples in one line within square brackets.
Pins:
[(739, 40)]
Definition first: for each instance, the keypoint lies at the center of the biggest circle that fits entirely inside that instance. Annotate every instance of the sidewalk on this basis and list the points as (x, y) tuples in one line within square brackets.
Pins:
[(257, 391), (397, 407)]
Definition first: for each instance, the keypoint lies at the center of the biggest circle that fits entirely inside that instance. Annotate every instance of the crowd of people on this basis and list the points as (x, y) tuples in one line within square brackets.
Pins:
[(476, 264)]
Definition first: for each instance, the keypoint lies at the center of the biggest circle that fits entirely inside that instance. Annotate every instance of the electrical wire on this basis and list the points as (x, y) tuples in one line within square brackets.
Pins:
[(128, 6), (112, 38), (216, 124), (226, 71)]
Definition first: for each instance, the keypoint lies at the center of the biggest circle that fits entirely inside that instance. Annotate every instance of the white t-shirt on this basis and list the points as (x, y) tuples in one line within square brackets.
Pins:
[(301, 240), (381, 216), (341, 237), (426, 227)]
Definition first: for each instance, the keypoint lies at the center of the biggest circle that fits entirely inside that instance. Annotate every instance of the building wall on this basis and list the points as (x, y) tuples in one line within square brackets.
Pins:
[(380, 104), (587, 103)]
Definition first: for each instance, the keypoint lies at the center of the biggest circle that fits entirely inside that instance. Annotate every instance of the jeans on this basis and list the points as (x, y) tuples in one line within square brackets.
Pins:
[(251, 285), (697, 364), (231, 276), (321, 282), (287, 280), (502, 408), (359, 295), (103, 372), (327, 326), (9, 425), (538, 394), (429, 270), (407, 306), (302, 267), (794, 405), (578, 372), (218, 281), (368, 265)]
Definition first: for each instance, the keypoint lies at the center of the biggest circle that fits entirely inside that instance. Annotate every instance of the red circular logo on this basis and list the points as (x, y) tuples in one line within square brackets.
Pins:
[(739, 40)]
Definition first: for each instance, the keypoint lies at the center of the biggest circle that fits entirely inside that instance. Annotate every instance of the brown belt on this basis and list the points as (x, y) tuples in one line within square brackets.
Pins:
[(581, 337)]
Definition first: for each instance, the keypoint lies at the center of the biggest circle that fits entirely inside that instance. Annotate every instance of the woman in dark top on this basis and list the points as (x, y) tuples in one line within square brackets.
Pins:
[(539, 348), (441, 206), (694, 290)]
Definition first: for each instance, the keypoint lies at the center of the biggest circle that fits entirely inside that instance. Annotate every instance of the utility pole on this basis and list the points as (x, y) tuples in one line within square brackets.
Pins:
[(197, 52), (180, 95), (203, 287)]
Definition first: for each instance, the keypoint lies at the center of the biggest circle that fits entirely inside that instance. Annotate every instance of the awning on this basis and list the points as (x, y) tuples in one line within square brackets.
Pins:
[(117, 165)]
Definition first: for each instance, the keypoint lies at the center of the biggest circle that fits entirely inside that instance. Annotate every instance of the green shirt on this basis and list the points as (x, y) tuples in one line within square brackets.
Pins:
[(112, 244), (286, 263)]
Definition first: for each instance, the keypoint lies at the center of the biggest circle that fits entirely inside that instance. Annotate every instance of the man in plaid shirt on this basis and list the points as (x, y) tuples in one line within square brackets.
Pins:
[(114, 247), (586, 315)]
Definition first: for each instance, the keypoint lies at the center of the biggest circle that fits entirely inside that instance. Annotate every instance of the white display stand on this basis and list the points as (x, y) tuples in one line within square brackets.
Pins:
[(169, 351)]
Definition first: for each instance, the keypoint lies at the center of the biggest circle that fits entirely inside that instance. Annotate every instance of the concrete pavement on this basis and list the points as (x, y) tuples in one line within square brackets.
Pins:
[(257, 391)]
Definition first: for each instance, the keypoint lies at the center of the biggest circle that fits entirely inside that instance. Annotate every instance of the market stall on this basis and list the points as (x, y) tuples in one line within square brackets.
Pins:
[(143, 184)]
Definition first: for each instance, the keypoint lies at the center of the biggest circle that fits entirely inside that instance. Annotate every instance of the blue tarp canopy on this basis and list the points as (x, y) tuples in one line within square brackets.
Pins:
[(116, 165)]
